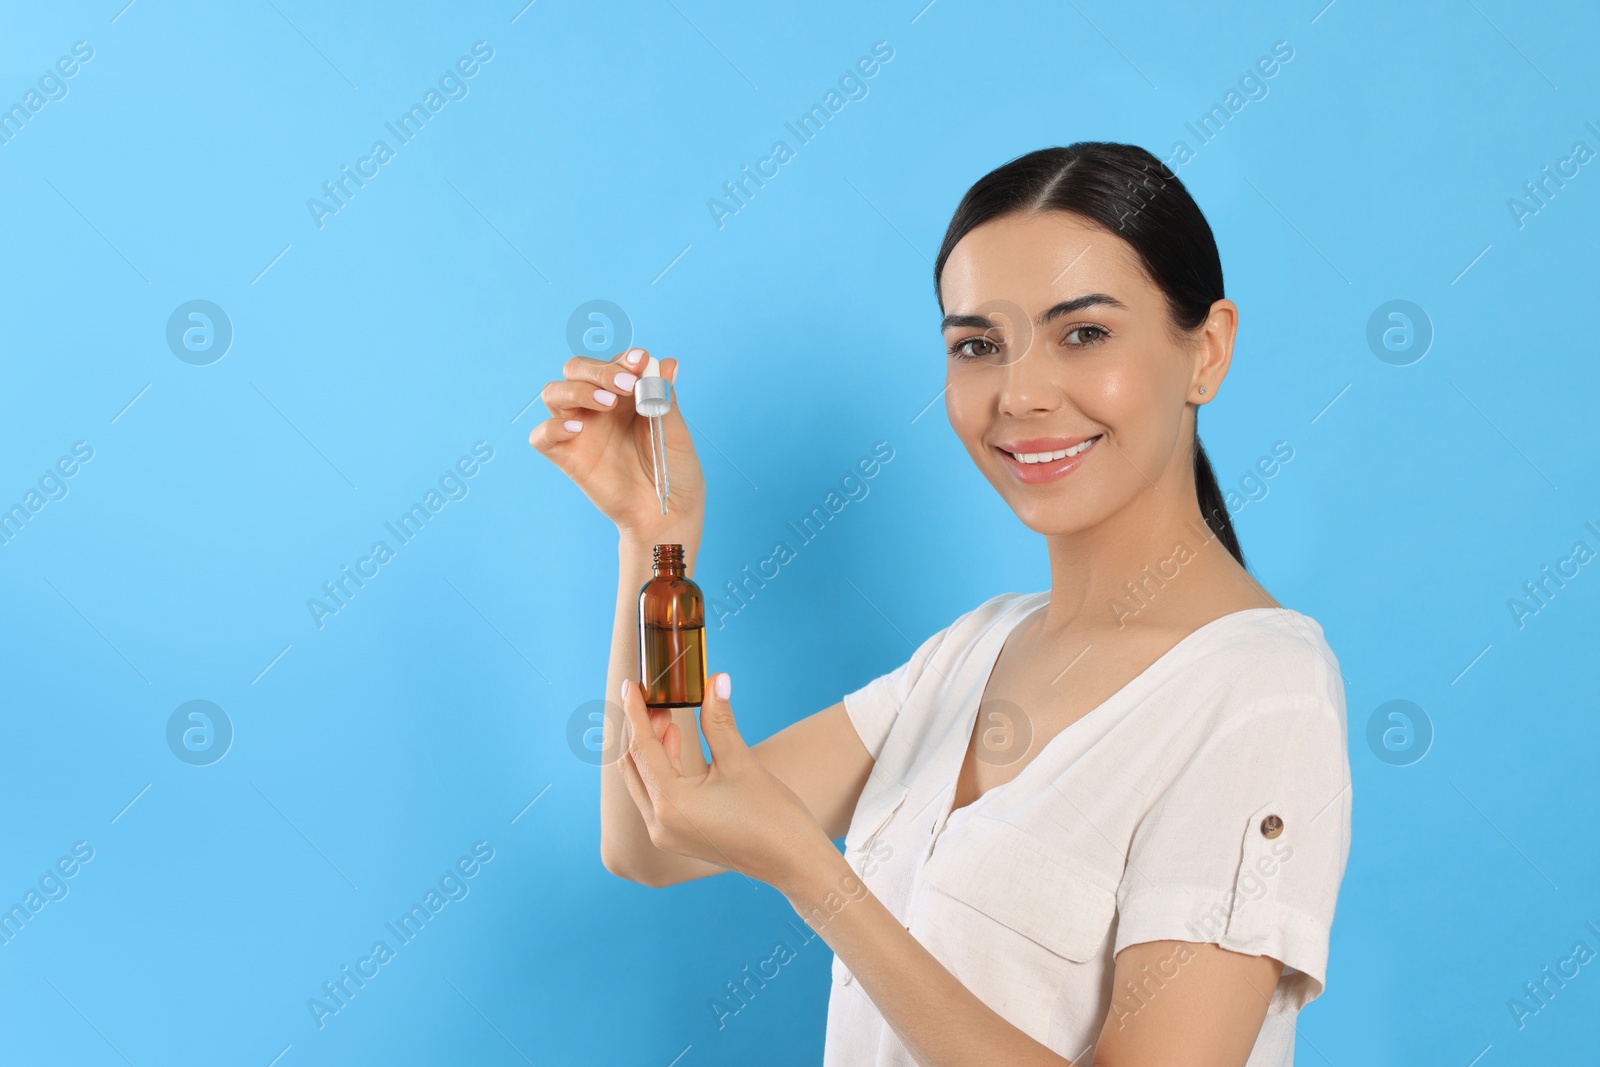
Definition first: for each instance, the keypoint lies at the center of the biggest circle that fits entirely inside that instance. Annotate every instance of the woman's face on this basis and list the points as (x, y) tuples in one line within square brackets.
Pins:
[(1056, 337)]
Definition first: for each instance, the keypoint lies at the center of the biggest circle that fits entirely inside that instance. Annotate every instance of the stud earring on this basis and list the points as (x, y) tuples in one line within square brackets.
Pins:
[(1202, 390)]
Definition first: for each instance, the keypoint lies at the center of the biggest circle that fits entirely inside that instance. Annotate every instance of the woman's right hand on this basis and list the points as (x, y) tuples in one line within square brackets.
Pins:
[(608, 455)]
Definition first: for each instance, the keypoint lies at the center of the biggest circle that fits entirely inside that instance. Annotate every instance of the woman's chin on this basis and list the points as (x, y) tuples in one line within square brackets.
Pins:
[(1059, 513)]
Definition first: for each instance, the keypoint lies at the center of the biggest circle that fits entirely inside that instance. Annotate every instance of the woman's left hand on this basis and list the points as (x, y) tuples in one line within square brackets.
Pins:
[(737, 814)]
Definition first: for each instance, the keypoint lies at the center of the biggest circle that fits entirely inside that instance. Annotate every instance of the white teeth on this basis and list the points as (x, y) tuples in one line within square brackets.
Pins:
[(1052, 457)]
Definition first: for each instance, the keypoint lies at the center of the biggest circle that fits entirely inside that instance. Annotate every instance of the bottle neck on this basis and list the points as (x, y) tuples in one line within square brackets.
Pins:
[(668, 561)]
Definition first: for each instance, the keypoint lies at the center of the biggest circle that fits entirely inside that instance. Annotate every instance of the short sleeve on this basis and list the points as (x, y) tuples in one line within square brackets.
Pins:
[(1246, 846), (873, 707)]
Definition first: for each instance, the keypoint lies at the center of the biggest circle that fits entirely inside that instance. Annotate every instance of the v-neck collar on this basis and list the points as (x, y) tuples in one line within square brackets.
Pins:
[(1021, 608)]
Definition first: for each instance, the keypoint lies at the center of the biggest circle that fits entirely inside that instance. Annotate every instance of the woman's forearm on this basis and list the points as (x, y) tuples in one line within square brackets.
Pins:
[(940, 1021), (625, 845)]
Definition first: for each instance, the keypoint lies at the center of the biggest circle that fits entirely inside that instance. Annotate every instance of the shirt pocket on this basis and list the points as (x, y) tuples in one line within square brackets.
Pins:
[(1013, 917), (1017, 880)]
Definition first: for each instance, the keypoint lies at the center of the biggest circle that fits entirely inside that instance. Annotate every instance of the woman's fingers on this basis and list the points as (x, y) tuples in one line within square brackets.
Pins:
[(597, 451), (636, 788), (672, 741), (630, 771), (667, 733), (552, 432), (616, 375), (573, 398), (589, 385), (650, 759)]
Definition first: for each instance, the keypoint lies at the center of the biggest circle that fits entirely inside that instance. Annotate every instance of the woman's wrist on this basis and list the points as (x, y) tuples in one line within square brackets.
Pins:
[(638, 544), (816, 877)]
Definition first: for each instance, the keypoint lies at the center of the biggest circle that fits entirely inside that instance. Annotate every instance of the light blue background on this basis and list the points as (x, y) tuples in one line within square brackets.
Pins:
[(426, 315)]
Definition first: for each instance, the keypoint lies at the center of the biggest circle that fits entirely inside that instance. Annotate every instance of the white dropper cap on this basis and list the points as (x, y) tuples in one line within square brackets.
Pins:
[(651, 396)]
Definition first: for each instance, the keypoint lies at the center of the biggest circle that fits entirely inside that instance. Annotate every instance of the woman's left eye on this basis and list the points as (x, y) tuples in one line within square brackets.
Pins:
[(1099, 334)]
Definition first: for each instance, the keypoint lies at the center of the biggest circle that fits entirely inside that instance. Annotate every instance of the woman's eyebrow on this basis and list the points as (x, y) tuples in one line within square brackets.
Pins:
[(1066, 307)]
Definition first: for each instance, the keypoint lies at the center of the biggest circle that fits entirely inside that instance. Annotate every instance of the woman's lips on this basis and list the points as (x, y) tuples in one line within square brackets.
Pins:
[(1048, 471)]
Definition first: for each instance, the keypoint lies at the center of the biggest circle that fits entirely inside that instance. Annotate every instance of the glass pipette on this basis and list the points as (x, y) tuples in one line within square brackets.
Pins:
[(652, 398)]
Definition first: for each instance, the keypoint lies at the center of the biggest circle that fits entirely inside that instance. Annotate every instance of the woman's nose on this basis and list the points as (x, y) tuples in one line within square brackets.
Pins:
[(1029, 384)]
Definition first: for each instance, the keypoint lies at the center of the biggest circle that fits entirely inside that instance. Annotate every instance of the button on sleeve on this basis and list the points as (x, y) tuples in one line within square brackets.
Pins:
[(1246, 846)]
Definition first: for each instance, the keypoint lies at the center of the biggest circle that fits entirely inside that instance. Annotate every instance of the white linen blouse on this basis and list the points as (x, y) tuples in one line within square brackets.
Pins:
[(1208, 800)]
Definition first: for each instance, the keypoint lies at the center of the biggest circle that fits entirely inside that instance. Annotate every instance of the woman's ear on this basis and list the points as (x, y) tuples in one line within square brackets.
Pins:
[(1214, 352)]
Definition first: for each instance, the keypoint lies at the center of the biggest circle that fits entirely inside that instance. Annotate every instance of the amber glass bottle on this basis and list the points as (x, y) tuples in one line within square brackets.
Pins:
[(672, 635)]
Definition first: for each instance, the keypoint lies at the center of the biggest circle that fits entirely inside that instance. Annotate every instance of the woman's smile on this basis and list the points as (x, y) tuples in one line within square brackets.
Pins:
[(1046, 459)]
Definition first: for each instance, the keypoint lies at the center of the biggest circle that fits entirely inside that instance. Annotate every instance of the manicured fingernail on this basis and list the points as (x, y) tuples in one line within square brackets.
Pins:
[(604, 397), (724, 685), (623, 690), (674, 378), (573, 425), (625, 380), (633, 357)]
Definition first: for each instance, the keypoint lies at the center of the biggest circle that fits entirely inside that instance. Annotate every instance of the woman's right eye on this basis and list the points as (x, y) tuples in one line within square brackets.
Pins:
[(961, 350)]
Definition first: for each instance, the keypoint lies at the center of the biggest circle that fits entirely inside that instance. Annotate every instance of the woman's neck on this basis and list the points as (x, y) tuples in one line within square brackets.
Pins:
[(1145, 566)]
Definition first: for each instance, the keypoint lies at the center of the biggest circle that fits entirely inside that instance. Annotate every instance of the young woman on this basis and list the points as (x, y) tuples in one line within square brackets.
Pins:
[(1101, 824)]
